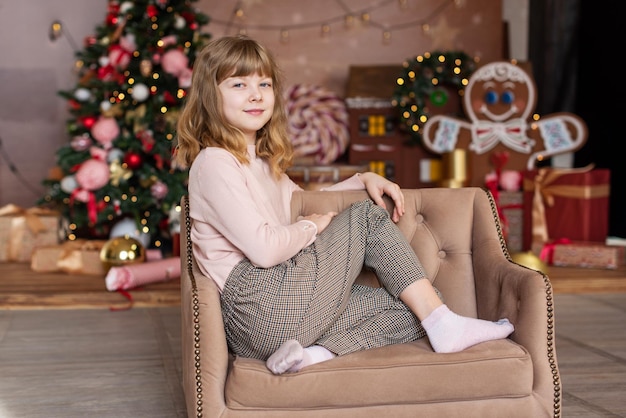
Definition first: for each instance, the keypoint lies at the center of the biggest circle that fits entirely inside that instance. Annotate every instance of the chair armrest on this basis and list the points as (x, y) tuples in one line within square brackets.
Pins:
[(505, 289)]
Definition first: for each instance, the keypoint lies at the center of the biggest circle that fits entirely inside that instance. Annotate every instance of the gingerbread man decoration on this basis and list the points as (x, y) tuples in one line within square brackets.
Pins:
[(498, 100)]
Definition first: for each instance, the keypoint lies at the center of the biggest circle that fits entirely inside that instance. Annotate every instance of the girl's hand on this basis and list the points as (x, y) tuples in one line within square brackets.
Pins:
[(321, 221), (377, 186)]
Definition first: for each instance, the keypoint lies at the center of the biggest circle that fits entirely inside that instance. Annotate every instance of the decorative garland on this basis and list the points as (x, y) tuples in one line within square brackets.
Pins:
[(424, 78)]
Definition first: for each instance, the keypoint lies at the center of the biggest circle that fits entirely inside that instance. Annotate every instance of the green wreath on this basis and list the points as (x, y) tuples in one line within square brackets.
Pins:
[(424, 77)]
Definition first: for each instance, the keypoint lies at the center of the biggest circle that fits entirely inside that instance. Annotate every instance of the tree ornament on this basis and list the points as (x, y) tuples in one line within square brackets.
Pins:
[(152, 11), (68, 184), (133, 160), (141, 92), (88, 121), (128, 227), (118, 173), (174, 61), (92, 174), (115, 154), (159, 190), (105, 130), (82, 94), (179, 22), (145, 67), (121, 251), (90, 40), (126, 7), (105, 106), (81, 142)]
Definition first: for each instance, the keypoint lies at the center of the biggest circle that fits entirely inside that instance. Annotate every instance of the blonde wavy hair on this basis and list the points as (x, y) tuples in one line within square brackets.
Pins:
[(202, 124)]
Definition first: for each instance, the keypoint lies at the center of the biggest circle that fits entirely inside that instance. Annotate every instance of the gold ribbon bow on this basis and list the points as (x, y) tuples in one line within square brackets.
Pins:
[(544, 193), (31, 216), (22, 219), (71, 260)]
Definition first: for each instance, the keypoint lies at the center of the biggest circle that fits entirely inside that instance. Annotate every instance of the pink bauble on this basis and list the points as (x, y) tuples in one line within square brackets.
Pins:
[(174, 61), (93, 174), (82, 195), (159, 190), (128, 43), (80, 143), (105, 130), (184, 78), (511, 180)]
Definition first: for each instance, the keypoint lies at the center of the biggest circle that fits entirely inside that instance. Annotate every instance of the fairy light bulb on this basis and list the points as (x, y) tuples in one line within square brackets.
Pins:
[(349, 21), (325, 30), (386, 37)]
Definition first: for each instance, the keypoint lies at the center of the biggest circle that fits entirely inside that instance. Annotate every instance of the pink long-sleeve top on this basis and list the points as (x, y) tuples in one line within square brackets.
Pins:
[(242, 211)]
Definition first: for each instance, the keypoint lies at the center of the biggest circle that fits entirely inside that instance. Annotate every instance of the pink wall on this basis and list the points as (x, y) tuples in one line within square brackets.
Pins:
[(33, 69)]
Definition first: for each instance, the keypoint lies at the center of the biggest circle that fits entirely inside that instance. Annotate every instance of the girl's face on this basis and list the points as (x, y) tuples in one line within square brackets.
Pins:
[(247, 103)]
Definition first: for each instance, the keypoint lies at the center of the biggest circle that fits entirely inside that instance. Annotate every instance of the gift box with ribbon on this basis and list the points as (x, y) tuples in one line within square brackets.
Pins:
[(510, 204), (80, 257), (22, 230), (566, 253), (568, 204)]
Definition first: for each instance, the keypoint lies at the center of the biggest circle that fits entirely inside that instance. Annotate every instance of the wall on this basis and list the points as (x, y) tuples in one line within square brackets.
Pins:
[(33, 69)]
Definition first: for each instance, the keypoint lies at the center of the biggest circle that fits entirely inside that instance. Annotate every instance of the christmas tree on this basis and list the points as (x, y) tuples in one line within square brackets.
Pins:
[(132, 78)]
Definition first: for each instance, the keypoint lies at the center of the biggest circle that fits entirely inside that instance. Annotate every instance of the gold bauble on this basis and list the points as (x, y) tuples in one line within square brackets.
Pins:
[(530, 260), (121, 251)]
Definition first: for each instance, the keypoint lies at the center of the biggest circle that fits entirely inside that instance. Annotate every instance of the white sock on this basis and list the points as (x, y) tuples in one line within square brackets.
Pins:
[(291, 357), (450, 333)]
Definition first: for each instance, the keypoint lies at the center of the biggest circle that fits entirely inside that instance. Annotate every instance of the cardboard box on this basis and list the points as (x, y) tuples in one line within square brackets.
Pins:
[(23, 230), (575, 203)]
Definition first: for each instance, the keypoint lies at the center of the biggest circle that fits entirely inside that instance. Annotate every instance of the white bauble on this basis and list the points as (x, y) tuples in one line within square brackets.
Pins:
[(105, 106), (174, 219), (68, 184), (115, 154), (125, 7), (128, 226), (179, 22), (82, 94), (140, 92), (103, 61)]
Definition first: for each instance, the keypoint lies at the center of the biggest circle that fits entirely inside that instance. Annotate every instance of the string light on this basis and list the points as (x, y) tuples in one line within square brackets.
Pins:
[(238, 20), (57, 30)]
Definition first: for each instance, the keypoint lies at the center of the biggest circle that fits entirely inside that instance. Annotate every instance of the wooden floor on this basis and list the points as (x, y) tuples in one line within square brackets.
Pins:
[(21, 288), (77, 362)]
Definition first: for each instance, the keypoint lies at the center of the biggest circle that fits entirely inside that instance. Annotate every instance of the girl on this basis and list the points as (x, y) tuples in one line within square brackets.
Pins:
[(287, 289)]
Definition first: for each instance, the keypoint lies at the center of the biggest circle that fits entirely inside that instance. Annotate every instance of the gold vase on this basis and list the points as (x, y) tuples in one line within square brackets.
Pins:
[(454, 169)]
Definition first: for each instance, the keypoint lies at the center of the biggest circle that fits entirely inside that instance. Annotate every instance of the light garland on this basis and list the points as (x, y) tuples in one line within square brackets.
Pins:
[(348, 17), (423, 79)]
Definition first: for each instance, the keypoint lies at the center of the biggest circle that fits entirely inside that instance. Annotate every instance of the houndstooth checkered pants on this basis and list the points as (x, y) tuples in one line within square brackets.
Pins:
[(312, 296)]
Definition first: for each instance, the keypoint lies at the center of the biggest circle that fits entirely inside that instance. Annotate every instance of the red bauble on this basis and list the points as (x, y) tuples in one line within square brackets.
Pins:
[(111, 19), (133, 160), (88, 121), (152, 11), (169, 98), (90, 40), (73, 104), (113, 7)]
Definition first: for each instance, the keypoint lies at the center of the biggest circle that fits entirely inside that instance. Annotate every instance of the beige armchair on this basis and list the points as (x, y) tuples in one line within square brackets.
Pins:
[(457, 237)]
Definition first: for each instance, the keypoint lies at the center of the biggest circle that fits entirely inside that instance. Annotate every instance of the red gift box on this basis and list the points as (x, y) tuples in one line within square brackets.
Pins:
[(588, 255), (566, 203)]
